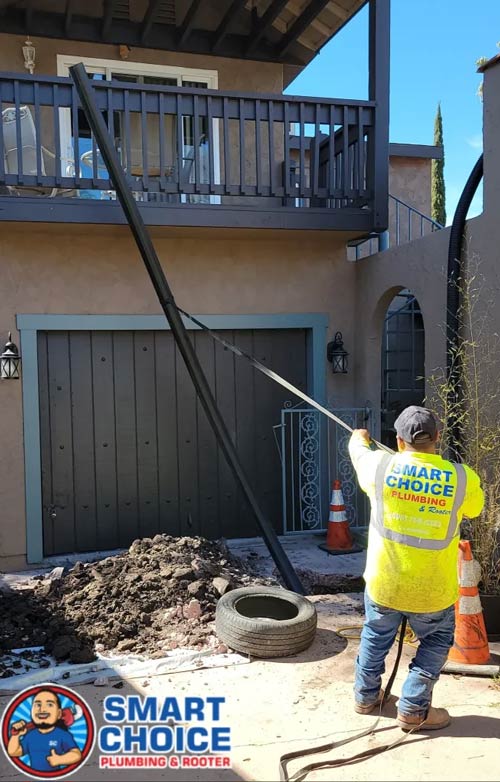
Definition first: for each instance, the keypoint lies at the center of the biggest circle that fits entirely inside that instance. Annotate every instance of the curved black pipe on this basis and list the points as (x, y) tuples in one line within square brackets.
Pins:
[(453, 302)]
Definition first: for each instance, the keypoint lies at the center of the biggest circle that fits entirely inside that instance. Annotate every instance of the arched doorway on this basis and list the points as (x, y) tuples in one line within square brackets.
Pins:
[(403, 361)]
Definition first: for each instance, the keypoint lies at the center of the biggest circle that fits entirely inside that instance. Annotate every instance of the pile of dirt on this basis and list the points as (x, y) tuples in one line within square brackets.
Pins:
[(158, 596)]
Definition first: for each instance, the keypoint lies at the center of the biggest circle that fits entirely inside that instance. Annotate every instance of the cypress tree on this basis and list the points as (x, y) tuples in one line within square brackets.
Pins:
[(438, 196)]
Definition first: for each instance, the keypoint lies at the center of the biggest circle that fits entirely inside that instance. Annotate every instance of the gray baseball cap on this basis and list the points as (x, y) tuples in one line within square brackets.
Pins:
[(416, 425)]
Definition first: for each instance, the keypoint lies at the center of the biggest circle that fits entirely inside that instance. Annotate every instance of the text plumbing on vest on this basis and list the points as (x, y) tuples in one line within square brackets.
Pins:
[(148, 725)]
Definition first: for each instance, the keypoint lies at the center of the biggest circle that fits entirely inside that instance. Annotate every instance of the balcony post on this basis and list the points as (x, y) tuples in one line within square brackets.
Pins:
[(378, 89)]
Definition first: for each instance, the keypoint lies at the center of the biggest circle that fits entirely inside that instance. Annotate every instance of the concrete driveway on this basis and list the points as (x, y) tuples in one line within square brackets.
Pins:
[(280, 706)]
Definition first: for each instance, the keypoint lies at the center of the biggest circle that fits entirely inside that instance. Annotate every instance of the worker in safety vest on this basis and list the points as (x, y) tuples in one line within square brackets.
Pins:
[(417, 501)]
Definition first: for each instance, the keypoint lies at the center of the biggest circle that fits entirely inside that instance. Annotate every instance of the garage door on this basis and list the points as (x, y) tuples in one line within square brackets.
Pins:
[(127, 450)]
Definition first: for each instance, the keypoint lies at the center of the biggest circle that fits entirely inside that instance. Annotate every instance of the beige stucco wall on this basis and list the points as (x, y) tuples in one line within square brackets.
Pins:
[(247, 75), (96, 270), (421, 266), (410, 180)]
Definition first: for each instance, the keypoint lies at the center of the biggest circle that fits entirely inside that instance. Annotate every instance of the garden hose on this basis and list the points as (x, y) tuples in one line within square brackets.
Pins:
[(302, 773), (353, 633)]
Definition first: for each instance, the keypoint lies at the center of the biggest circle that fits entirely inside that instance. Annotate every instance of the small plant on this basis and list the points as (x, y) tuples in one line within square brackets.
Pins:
[(479, 62), (470, 401)]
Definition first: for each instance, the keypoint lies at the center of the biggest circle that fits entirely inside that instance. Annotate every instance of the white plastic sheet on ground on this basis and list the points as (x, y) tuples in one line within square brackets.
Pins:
[(119, 667)]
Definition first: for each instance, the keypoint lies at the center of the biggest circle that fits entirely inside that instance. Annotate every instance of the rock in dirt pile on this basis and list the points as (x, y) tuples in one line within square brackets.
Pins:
[(158, 596)]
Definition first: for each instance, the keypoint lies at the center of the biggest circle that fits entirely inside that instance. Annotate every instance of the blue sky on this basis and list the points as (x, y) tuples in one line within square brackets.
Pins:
[(434, 48)]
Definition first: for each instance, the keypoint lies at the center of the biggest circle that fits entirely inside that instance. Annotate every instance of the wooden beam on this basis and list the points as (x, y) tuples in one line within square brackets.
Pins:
[(68, 16), (188, 22), (28, 14), (301, 24), (149, 18), (294, 7), (283, 28), (107, 18), (378, 91), (90, 211), (231, 13), (337, 10), (267, 21), (47, 24)]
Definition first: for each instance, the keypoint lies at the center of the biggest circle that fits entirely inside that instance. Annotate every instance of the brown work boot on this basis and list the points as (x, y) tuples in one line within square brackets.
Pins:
[(367, 708), (435, 720)]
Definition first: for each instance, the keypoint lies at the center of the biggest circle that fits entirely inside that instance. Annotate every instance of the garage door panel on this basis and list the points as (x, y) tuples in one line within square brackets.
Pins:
[(138, 455), (45, 444), (126, 437), (62, 514), (268, 468), (80, 352), (244, 380), (208, 496), (224, 371), (104, 435), (188, 449), (147, 448), (166, 412)]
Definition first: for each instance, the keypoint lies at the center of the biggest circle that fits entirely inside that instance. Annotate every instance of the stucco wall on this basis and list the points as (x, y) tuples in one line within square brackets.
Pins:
[(421, 266), (96, 270), (410, 180), (248, 75)]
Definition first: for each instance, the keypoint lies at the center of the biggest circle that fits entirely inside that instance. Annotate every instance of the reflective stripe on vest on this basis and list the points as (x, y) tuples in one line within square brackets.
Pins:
[(377, 517)]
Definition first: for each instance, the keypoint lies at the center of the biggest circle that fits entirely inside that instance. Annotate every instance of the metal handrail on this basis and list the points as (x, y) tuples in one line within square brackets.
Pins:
[(411, 212)]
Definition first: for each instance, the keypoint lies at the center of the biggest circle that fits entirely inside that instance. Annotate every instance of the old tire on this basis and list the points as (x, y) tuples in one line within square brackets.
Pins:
[(265, 621)]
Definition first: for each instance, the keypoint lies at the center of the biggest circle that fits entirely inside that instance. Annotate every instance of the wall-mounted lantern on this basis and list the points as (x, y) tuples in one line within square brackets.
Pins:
[(337, 355), (29, 53), (10, 361)]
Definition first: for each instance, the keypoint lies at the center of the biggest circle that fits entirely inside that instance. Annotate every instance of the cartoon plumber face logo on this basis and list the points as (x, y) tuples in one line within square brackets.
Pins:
[(47, 732)]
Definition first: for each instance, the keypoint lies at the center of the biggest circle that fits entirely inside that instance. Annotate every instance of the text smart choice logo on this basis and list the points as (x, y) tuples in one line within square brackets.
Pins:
[(47, 732)]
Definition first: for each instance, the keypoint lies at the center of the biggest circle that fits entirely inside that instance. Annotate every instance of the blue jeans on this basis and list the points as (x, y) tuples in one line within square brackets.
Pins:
[(435, 633)]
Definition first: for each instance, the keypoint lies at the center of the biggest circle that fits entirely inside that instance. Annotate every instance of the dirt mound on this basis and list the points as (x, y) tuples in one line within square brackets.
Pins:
[(158, 596)]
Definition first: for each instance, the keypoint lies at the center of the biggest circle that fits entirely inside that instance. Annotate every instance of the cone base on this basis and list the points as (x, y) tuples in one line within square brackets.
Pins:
[(336, 551), (475, 657)]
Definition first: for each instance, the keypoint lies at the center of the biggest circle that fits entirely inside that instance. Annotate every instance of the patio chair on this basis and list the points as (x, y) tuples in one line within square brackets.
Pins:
[(20, 122)]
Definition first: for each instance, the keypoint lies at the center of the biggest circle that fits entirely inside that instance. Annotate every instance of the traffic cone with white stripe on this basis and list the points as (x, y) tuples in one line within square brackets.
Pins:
[(471, 641), (338, 534)]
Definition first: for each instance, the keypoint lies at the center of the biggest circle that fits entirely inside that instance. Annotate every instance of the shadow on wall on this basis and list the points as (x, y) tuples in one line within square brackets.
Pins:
[(397, 336)]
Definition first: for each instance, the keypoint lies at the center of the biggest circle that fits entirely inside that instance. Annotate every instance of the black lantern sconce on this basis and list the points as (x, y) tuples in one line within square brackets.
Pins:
[(337, 355), (10, 361)]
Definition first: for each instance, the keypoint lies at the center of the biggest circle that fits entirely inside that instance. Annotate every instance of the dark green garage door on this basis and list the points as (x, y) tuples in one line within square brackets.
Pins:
[(127, 451)]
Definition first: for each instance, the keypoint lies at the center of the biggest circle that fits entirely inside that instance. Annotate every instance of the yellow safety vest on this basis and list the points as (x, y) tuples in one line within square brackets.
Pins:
[(417, 502)]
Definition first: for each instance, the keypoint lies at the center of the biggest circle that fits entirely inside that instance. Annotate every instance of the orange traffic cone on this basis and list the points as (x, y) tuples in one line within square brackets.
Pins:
[(471, 642), (338, 535)]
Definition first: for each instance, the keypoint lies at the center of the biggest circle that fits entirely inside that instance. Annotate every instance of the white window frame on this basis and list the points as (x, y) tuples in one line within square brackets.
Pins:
[(106, 67)]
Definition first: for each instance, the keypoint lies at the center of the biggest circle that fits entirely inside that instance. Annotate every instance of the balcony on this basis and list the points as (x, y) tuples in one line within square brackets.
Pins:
[(193, 157)]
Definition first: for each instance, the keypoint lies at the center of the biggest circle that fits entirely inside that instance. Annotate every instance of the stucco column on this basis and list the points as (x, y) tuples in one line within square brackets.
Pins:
[(491, 123)]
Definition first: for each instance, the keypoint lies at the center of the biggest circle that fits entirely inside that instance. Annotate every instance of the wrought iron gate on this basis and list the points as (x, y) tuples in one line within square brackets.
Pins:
[(314, 453)]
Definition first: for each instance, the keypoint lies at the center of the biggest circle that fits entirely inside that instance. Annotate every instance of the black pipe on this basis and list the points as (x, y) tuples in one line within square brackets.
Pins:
[(166, 298), (453, 305)]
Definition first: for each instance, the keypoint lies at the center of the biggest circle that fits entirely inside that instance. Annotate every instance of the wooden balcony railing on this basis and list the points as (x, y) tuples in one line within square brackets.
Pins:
[(190, 146)]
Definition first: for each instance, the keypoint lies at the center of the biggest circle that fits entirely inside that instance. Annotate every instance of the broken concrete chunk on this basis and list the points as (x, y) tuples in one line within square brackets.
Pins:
[(192, 610), (196, 588), (221, 585)]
